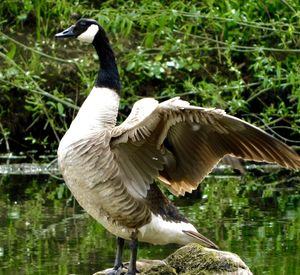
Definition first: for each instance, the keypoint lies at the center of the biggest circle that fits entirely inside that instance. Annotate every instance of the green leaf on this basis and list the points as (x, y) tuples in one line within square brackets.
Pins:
[(12, 51), (60, 108)]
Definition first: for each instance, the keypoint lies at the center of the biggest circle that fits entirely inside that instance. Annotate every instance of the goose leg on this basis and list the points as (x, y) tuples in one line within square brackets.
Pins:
[(117, 269), (133, 257)]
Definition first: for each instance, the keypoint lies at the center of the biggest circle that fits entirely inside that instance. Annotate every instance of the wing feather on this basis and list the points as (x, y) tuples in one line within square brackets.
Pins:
[(181, 144)]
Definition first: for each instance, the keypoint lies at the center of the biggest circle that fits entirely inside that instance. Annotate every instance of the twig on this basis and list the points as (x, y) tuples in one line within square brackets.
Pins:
[(53, 162), (5, 138), (37, 89), (50, 121), (36, 51), (258, 94), (288, 5), (272, 131), (235, 47)]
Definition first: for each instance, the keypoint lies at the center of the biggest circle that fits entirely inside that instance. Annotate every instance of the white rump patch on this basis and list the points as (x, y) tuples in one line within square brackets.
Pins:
[(89, 35), (160, 231)]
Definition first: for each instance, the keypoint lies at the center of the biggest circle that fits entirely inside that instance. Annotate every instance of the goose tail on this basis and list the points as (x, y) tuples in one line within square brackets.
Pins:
[(199, 238)]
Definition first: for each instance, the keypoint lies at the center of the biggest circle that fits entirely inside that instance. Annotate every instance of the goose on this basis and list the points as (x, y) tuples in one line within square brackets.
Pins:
[(113, 170)]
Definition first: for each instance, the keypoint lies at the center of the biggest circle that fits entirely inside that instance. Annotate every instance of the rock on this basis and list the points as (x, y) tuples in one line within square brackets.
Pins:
[(193, 259), (156, 266)]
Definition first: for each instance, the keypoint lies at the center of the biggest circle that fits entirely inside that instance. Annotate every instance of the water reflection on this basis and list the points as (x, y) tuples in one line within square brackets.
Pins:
[(43, 231)]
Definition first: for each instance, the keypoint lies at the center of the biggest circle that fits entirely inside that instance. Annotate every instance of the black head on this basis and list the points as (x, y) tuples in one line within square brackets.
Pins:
[(88, 30), (84, 30)]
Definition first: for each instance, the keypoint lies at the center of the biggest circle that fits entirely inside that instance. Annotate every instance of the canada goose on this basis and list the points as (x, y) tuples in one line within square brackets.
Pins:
[(111, 169)]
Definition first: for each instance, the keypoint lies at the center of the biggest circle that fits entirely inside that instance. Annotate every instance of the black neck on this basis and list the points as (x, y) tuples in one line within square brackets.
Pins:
[(108, 75)]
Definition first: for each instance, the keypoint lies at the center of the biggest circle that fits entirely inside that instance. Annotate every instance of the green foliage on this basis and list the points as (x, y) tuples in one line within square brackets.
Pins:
[(237, 55)]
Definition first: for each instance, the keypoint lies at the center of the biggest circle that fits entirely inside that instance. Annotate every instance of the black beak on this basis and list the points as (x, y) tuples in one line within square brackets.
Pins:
[(69, 32)]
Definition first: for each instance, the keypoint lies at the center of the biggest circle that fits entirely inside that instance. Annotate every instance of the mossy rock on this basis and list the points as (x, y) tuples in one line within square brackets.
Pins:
[(194, 259)]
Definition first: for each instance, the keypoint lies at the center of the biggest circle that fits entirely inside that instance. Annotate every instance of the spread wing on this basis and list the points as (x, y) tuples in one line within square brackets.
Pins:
[(180, 144)]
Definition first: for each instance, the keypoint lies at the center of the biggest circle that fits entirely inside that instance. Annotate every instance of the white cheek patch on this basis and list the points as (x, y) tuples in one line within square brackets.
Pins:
[(89, 34)]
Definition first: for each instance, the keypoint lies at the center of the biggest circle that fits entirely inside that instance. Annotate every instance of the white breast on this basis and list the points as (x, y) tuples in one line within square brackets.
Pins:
[(98, 112)]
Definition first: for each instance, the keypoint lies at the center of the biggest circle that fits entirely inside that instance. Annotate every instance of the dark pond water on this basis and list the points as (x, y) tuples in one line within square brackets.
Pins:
[(43, 231)]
